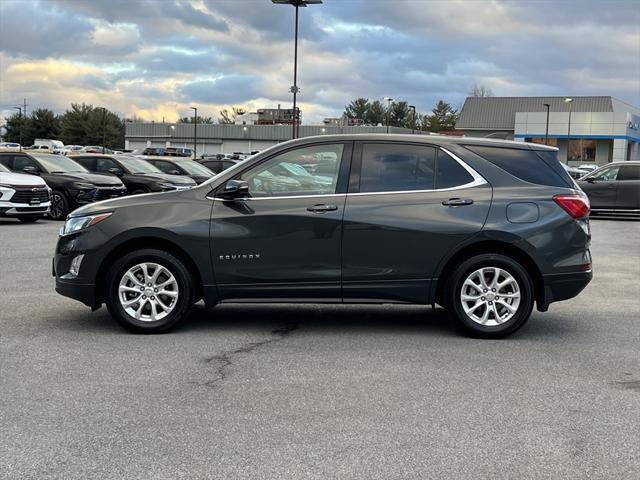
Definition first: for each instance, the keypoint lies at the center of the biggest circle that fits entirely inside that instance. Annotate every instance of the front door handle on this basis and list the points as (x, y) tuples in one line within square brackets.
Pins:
[(321, 208), (456, 202)]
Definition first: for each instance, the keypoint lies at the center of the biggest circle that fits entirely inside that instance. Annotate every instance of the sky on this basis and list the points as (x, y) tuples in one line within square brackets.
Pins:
[(156, 58)]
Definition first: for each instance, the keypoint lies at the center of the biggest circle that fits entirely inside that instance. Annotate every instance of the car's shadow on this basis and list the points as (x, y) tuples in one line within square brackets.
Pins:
[(338, 319)]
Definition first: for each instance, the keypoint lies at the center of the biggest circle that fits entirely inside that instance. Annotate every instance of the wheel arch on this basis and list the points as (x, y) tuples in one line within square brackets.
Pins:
[(491, 246), (146, 242)]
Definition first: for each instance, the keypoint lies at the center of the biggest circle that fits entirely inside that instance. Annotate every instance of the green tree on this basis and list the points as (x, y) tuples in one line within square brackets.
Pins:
[(400, 115), (42, 123), (207, 120), (13, 128), (376, 114), (443, 117), (88, 125), (358, 108)]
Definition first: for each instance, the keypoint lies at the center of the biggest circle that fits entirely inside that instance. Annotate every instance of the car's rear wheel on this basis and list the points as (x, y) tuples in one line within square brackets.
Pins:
[(490, 295), (59, 205), (149, 291)]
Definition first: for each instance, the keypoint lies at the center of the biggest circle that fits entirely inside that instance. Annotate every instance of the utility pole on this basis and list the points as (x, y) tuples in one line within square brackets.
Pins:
[(24, 107), (389, 101), (195, 134), (19, 125), (104, 129), (413, 119), (546, 132)]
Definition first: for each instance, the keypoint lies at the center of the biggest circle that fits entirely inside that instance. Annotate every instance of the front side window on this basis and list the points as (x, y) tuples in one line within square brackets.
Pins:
[(293, 173), (19, 163), (103, 165), (396, 167), (608, 174)]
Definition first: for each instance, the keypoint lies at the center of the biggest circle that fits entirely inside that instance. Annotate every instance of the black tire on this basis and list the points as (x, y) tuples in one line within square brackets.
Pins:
[(28, 219), (453, 290), (183, 303), (59, 205)]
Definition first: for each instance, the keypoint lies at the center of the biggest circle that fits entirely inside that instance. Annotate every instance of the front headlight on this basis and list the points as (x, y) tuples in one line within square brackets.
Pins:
[(83, 185), (75, 224)]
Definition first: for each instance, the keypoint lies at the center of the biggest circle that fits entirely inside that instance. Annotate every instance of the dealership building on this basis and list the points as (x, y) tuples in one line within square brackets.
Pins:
[(230, 138), (585, 129)]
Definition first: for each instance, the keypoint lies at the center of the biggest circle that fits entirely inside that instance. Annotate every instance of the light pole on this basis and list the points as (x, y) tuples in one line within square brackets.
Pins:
[(104, 126), (294, 89), (389, 102), (19, 125), (546, 132), (195, 131), (570, 102), (413, 118)]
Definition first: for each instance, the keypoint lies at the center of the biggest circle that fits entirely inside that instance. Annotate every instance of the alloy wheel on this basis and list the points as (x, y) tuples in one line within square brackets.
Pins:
[(148, 292), (57, 205), (490, 296)]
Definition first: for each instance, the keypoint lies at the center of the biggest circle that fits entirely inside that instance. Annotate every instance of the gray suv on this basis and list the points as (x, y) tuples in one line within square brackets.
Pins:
[(484, 228)]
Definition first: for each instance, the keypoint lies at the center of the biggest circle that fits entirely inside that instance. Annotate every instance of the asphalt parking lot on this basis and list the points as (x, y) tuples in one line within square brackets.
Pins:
[(285, 392)]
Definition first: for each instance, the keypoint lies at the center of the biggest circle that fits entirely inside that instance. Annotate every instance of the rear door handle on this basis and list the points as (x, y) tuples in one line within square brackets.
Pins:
[(456, 202), (321, 208)]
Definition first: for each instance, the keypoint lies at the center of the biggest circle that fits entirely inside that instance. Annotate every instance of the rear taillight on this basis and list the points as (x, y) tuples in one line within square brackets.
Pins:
[(577, 206)]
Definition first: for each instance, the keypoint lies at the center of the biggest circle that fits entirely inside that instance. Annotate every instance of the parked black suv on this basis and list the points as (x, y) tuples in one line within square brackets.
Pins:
[(72, 185), (614, 188), (182, 166), (138, 175), (483, 228), (218, 164)]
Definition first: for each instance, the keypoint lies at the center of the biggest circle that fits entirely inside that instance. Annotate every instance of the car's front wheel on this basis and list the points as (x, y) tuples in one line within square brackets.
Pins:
[(59, 205), (149, 291), (491, 295)]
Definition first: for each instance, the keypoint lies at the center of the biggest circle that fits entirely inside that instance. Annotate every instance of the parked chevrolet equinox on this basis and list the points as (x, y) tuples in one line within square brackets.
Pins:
[(483, 228)]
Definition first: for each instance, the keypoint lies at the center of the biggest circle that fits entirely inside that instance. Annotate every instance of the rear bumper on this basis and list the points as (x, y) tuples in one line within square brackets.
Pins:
[(563, 286)]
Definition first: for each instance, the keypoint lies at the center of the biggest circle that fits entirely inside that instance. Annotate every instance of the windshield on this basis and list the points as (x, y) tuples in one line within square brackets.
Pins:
[(3, 168), (137, 165), (194, 168), (59, 164)]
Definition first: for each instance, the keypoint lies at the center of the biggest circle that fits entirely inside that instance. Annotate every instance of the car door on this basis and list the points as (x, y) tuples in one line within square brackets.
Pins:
[(628, 194), (282, 242), (408, 206), (602, 188)]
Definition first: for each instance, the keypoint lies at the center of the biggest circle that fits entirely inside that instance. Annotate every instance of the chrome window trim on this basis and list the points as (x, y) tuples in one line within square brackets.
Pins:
[(477, 181)]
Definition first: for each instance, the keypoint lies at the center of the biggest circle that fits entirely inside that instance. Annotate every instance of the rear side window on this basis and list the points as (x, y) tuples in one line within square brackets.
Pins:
[(540, 167), (396, 167), (450, 173), (629, 172), (215, 167)]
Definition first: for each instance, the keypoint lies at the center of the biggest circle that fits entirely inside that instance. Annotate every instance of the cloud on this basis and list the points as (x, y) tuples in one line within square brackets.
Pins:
[(155, 58)]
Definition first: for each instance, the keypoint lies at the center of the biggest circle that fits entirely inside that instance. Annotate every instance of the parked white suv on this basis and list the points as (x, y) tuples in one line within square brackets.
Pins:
[(25, 197)]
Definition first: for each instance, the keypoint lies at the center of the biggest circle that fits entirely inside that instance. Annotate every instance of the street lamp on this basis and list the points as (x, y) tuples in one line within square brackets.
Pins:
[(389, 100), (546, 132), (195, 133), (413, 119), (19, 125), (570, 102), (294, 89)]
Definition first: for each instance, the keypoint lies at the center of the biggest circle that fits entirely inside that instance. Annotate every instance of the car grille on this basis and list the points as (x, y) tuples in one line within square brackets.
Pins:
[(30, 194), (104, 193)]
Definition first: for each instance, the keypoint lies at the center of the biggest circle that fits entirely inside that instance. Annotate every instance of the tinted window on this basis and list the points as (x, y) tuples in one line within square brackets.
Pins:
[(215, 167), (529, 165), (450, 173), (285, 174), (606, 174), (19, 163), (629, 172), (87, 162), (396, 167), (166, 167), (103, 165), (58, 163)]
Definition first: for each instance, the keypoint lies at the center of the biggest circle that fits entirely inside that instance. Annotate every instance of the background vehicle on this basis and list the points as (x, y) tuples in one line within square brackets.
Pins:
[(9, 146), (217, 164), (96, 149), (52, 145), (24, 197), (614, 188), (72, 185), (574, 172), (190, 168), (138, 175), (484, 228), (178, 152), (155, 151), (588, 167)]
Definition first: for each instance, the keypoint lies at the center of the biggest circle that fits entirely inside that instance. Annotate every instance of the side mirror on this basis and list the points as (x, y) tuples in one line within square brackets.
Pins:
[(31, 170), (235, 189), (174, 172), (591, 180), (116, 171)]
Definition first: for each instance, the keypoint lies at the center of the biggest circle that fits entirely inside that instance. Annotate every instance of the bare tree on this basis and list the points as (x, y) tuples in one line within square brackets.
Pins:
[(480, 91), (229, 116)]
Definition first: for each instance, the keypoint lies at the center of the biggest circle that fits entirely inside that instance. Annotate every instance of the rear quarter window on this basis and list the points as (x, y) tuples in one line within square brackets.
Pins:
[(533, 166)]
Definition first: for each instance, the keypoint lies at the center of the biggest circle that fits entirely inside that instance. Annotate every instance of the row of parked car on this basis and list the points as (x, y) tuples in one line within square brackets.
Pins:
[(35, 184)]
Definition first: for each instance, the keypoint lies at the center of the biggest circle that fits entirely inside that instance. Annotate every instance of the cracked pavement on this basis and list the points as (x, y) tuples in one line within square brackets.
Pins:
[(287, 392)]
